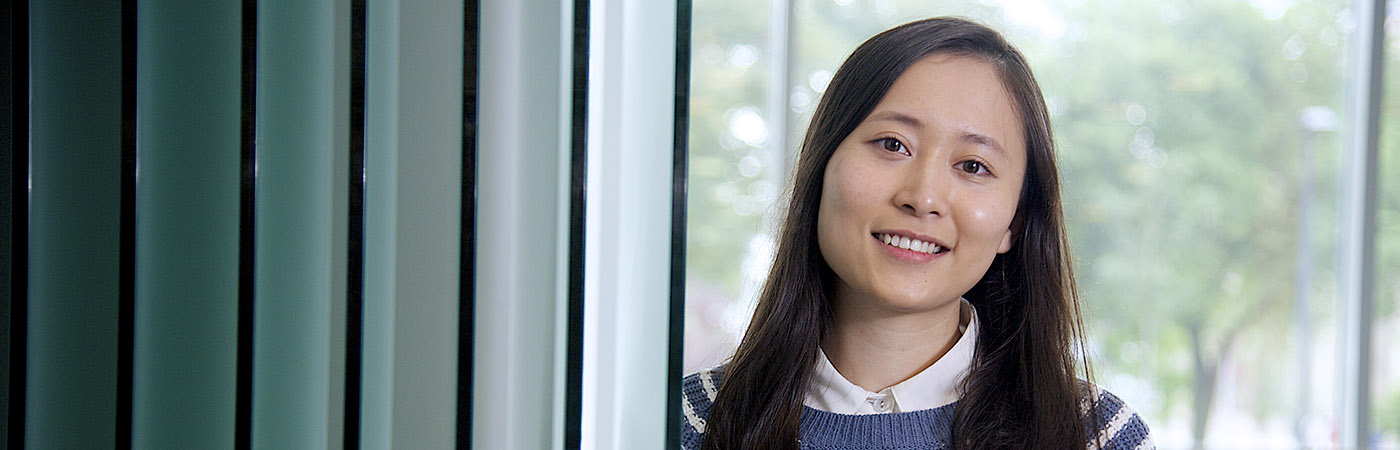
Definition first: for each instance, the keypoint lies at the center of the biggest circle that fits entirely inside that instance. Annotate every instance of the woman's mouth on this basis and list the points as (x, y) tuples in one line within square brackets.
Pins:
[(910, 244)]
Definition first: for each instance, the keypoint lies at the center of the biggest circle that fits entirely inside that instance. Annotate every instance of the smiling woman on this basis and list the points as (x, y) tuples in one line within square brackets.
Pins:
[(921, 293)]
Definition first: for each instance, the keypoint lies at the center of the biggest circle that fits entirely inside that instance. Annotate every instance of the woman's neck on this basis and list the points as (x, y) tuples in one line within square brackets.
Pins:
[(875, 347)]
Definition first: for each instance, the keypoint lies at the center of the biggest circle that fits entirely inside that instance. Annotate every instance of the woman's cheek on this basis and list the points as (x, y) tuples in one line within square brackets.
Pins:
[(995, 218), (850, 189), (860, 184)]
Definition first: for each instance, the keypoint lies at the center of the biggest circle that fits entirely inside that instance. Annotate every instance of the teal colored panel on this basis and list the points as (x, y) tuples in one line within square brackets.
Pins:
[(292, 306), (340, 205), (187, 200), (523, 116), (427, 233), (381, 190), (75, 59)]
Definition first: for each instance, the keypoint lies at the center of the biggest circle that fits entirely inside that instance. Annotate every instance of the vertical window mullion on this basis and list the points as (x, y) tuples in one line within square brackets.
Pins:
[(354, 278), (248, 156), (1359, 227), (578, 167), (466, 313), (680, 176), (126, 289), (19, 216)]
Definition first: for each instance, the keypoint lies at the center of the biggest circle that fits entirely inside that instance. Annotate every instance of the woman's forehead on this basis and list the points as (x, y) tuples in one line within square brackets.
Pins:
[(954, 92)]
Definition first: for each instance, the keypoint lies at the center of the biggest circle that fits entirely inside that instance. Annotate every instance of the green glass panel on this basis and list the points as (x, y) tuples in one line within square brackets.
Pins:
[(381, 180), (292, 306), (75, 128), (522, 222), (429, 216), (187, 200)]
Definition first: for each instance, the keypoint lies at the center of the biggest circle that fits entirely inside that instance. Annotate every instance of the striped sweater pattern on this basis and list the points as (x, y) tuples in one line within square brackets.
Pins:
[(929, 429)]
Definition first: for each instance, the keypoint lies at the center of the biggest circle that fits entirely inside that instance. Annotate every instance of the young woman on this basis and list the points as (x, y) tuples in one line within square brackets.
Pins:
[(922, 295)]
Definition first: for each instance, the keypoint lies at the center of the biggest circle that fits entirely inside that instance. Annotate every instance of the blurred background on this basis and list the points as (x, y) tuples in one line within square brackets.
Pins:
[(1204, 159)]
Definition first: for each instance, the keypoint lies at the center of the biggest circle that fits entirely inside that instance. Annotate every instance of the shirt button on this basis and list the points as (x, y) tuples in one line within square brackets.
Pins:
[(880, 404)]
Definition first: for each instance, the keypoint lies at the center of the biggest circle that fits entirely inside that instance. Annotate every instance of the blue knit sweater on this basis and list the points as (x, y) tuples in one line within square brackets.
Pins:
[(929, 429)]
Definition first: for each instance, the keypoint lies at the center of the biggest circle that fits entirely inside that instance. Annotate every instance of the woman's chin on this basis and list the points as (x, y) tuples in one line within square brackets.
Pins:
[(915, 304)]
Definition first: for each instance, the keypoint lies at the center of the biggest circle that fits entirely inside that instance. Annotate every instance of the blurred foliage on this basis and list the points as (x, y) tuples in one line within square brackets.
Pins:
[(1178, 126), (1181, 154), (717, 234), (1388, 412), (1388, 210)]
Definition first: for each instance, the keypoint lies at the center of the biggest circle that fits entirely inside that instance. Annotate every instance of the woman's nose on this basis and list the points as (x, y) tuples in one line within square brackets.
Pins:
[(922, 191)]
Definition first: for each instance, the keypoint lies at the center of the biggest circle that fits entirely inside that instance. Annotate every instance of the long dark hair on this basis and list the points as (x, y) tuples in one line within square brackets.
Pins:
[(1022, 390)]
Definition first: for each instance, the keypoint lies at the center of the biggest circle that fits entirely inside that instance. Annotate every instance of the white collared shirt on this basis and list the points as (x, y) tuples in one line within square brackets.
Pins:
[(933, 387)]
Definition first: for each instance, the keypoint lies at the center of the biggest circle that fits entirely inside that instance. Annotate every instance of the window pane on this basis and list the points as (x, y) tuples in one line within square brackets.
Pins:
[(1200, 151), (1202, 195), (733, 179)]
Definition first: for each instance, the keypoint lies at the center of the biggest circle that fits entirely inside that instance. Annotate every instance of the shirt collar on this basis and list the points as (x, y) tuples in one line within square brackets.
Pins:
[(932, 387)]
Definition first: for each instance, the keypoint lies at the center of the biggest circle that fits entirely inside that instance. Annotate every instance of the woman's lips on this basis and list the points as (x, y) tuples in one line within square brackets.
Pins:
[(908, 249)]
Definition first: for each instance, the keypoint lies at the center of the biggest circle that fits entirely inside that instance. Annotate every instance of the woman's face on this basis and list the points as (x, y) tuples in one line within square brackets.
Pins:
[(919, 199)]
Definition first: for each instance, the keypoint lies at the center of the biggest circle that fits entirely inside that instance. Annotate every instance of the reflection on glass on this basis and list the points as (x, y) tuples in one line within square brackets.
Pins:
[(1201, 156), (1385, 360)]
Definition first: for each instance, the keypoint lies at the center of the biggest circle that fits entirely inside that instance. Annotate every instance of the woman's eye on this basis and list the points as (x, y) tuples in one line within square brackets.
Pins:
[(892, 144), (972, 167)]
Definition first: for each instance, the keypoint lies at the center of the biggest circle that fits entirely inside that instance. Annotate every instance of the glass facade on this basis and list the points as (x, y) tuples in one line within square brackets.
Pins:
[(1205, 151)]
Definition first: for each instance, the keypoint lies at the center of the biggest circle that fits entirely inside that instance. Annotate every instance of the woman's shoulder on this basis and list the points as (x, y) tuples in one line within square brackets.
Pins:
[(698, 391), (1111, 423)]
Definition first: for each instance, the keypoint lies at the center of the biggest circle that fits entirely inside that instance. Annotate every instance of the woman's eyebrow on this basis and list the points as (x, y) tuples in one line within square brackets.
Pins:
[(983, 140), (896, 116), (969, 136)]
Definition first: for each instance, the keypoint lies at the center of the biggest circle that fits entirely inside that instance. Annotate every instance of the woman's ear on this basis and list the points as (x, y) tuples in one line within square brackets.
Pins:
[(1010, 237), (1006, 242)]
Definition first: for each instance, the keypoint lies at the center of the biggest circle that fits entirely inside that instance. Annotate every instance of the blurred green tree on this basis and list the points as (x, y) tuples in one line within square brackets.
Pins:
[(1179, 131)]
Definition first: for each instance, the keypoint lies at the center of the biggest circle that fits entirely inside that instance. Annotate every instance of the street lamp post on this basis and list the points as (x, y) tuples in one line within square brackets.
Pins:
[(1312, 121)]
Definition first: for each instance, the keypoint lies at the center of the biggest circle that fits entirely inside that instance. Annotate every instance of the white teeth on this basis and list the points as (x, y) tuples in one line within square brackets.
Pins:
[(910, 244)]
